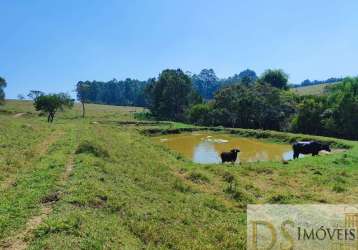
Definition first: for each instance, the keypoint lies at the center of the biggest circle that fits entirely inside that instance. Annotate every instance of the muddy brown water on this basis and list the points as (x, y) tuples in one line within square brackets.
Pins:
[(206, 147)]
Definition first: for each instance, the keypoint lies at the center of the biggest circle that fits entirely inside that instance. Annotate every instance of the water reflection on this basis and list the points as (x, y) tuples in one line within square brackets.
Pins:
[(205, 153), (206, 147)]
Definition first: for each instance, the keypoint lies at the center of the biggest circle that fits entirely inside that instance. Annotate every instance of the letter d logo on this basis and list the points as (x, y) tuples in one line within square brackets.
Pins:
[(269, 226)]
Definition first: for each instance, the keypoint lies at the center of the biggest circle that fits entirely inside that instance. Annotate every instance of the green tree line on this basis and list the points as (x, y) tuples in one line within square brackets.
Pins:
[(2, 92), (129, 92), (334, 114), (261, 103)]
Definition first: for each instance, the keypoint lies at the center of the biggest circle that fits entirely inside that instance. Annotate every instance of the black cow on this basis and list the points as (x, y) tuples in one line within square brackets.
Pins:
[(229, 156), (308, 147)]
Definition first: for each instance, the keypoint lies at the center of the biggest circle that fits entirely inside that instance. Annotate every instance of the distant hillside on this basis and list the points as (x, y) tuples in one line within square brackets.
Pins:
[(318, 89), (308, 82)]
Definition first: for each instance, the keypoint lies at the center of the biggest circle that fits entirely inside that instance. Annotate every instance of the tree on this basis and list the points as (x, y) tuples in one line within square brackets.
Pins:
[(247, 77), (234, 106), (33, 94), (253, 106), (276, 78), (52, 103), (333, 114), (308, 119), (2, 93), (273, 107), (343, 100), (20, 97), (206, 83), (170, 95), (83, 95), (129, 92), (308, 82)]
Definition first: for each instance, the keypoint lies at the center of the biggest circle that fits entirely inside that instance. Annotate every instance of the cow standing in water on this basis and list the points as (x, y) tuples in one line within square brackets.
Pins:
[(229, 156), (308, 147)]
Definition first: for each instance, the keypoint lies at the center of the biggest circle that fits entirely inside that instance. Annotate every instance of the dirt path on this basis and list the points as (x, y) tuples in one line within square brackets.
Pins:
[(19, 115), (68, 170), (18, 242), (43, 147), (21, 240)]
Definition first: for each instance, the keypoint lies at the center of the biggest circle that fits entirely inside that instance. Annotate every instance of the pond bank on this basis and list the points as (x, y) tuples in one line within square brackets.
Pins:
[(258, 134)]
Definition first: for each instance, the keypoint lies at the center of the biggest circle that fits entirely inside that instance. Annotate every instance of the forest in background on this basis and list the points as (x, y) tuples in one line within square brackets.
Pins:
[(263, 103), (130, 92), (244, 100)]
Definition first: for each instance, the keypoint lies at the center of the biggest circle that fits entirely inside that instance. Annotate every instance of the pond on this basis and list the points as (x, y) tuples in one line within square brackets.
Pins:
[(206, 147)]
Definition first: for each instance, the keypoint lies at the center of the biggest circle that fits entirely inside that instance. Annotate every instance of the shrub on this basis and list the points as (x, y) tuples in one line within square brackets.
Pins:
[(338, 188), (215, 204), (88, 147), (281, 199), (198, 177), (144, 116), (181, 187), (228, 177), (238, 194)]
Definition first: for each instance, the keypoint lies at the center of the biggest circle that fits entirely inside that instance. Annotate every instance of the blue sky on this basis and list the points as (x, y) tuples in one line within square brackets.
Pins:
[(50, 45)]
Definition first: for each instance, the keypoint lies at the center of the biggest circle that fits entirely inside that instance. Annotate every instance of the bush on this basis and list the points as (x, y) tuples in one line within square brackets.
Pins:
[(238, 194), (181, 187), (215, 204), (88, 147), (338, 188), (281, 199), (198, 177), (144, 116), (228, 177)]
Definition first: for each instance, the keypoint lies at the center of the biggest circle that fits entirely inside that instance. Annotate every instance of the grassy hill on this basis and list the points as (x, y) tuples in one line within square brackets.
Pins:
[(318, 89), (101, 183)]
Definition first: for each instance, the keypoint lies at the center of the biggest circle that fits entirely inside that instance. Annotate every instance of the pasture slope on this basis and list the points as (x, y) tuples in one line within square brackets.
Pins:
[(318, 89), (100, 183)]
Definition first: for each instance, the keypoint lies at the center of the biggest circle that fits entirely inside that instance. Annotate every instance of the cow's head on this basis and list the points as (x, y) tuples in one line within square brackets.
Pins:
[(326, 147), (235, 150)]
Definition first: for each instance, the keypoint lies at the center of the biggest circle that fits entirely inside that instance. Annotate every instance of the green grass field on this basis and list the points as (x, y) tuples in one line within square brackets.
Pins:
[(318, 89), (101, 183)]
